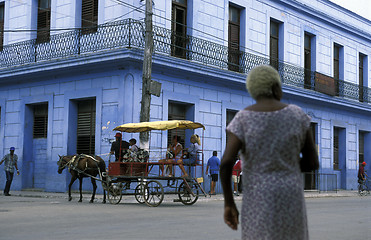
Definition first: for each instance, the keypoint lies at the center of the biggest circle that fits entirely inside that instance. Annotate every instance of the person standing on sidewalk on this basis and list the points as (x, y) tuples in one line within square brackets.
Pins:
[(10, 160), (213, 163), (236, 171), (271, 135), (361, 173)]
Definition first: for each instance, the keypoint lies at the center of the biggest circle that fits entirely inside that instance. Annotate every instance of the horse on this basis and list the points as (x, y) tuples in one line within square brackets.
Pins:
[(81, 166)]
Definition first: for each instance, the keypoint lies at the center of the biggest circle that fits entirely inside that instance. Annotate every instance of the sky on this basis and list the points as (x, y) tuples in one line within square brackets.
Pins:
[(361, 7)]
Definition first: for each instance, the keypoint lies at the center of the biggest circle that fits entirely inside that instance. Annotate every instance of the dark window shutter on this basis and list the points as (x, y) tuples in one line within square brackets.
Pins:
[(233, 46), (179, 30), (273, 52), (1, 26), (86, 127), (89, 16), (43, 21), (177, 111)]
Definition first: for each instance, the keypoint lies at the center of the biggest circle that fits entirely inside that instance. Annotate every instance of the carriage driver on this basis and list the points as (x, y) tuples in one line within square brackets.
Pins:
[(116, 146)]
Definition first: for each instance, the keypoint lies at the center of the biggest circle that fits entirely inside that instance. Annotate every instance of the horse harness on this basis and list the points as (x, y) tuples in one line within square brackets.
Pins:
[(72, 165)]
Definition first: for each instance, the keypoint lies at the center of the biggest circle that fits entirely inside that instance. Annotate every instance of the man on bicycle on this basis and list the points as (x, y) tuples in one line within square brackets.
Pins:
[(361, 173)]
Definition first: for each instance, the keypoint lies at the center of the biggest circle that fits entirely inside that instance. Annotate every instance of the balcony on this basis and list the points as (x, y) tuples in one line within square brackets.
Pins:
[(129, 33)]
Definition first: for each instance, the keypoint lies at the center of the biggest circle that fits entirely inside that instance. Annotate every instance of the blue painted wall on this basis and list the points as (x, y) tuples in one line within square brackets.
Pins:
[(113, 78)]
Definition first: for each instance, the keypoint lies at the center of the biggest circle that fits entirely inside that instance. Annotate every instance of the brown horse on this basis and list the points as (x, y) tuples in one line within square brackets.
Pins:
[(81, 166)]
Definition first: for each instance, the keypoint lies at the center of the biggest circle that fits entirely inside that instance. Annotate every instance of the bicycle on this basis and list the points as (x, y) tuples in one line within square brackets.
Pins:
[(363, 187)]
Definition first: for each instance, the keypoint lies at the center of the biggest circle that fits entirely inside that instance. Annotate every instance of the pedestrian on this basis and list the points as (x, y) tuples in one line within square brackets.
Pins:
[(213, 163), (271, 135), (236, 171), (10, 160), (361, 173)]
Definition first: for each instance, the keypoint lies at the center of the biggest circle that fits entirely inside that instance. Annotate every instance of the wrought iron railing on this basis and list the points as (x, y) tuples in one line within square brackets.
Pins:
[(129, 33)]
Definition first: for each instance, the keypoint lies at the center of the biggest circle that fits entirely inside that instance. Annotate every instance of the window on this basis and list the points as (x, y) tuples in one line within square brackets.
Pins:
[(177, 111), (89, 16), (336, 149), (234, 39), (336, 62), (274, 44), (40, 122), (307, 60), (43, 21), (361, 76), (1, 26), (86, 127), (361, 142), (179, 28)]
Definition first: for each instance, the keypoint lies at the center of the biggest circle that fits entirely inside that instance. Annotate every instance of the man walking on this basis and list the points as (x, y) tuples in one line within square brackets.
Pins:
[(213, 163), (10, 162)]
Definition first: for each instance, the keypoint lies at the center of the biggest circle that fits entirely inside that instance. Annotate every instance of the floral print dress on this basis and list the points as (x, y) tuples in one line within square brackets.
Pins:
[(273, 199)]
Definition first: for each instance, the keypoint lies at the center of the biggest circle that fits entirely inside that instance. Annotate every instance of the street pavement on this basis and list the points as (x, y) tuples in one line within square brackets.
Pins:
[(341, 215), (87, 195)]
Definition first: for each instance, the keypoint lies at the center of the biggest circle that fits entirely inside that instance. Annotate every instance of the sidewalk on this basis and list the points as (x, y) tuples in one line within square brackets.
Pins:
[(87, 195)]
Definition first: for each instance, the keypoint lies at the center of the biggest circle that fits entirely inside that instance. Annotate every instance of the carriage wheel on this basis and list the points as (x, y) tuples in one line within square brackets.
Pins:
[(114, 193), (153, 193), (185, 193), (139, 193)]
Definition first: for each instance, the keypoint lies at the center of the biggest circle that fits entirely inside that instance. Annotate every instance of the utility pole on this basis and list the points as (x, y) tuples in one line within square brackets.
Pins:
[(146, 77)]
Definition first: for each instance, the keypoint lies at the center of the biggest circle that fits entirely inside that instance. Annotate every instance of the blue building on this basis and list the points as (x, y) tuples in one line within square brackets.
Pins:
[(70, 71)]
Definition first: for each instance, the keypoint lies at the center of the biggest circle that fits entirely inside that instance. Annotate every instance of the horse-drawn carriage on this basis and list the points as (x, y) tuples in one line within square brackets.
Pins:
[(142, 178), (150, 184)]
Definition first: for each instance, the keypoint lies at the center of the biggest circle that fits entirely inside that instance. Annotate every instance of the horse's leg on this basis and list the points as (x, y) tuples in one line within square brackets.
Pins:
[(104, 196), (73, 179), (80, 178), (94, 189)]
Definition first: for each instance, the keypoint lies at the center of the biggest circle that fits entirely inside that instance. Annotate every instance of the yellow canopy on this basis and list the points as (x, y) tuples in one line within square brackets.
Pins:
[(158, 125)]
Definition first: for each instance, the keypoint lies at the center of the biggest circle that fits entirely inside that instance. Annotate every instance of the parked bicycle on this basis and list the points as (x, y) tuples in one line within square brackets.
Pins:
[(364, 187)]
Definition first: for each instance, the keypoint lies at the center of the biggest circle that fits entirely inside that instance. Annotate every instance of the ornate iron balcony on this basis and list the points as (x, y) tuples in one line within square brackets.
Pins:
[(129, 33)]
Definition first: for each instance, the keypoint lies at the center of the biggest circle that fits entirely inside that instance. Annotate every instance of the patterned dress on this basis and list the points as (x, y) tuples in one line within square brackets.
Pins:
[(273, 199)]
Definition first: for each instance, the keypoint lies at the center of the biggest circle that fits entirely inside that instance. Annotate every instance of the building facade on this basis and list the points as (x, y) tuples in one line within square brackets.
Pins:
[(70, 71)]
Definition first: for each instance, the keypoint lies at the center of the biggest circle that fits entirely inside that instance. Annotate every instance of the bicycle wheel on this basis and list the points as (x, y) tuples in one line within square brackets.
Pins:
[(188, 193)]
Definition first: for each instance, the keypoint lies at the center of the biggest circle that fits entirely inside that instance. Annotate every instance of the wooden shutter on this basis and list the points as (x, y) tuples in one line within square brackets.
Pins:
[(86, 127), (43, 21), (89, 16), (233, 46), (1, 26)]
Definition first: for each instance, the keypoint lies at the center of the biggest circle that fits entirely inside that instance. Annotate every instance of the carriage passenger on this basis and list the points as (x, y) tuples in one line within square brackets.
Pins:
[(192, 154), (175, 150), (133, 145)]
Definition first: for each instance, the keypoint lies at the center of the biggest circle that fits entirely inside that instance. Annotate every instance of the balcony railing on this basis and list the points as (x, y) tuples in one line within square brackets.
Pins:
[(129, 33)]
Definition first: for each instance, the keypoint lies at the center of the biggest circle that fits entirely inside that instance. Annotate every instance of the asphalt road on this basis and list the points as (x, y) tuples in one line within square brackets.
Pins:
[(56, 218)]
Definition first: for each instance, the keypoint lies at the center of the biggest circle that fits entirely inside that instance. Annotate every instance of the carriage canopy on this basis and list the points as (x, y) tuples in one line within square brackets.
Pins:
[(158, 125)]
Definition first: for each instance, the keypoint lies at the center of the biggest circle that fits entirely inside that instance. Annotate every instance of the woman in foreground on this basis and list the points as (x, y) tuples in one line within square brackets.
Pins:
[(270, 136)]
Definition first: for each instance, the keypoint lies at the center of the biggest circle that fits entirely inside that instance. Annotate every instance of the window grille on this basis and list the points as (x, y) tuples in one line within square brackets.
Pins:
[(40, 123), (361, 142), (86, 127), (336, 149), (43, 21), (89, 16)]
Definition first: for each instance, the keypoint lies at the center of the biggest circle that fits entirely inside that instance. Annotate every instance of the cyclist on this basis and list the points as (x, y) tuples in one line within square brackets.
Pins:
[(361, 173)]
